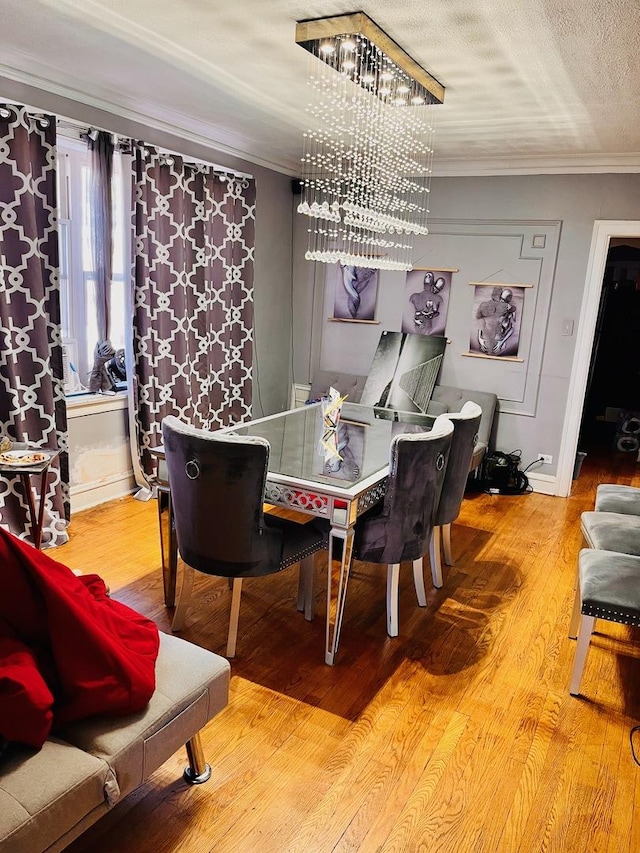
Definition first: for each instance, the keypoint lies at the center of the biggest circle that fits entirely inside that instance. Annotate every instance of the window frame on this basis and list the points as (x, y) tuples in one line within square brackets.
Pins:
[(73, 158)]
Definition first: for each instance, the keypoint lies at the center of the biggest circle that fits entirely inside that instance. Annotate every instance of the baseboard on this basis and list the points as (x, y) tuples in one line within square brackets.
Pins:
[(544, 484), (87, 495), (299, 394)]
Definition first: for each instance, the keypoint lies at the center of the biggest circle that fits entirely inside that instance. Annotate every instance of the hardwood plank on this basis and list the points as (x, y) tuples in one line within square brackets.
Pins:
[(457, 736)]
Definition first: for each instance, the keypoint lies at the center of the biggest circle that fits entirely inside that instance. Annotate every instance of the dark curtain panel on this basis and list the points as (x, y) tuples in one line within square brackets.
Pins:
[(102, 224), (193, 296), (32, 402), (101, 146)]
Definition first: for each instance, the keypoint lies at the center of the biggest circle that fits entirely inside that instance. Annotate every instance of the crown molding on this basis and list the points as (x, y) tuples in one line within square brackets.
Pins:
[(213, 137), (579, 164), (222, 141)]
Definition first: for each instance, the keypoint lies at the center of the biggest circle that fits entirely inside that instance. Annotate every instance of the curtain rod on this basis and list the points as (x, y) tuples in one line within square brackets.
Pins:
[(84, 128)]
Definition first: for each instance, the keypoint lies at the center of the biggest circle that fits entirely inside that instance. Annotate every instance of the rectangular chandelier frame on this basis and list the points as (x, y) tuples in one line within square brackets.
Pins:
[(309, 33), (366, 164)]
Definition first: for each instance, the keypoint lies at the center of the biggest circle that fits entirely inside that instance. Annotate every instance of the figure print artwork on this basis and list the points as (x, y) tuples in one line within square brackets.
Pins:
[(356, 293), (497, 315), (426, 301)]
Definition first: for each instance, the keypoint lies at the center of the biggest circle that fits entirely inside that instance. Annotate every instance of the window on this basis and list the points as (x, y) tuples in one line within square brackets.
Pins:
[(77, 274)]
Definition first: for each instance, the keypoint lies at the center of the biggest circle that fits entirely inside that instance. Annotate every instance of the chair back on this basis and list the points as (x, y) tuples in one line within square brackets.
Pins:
[(465, 434), (402, 530), (217, 483)]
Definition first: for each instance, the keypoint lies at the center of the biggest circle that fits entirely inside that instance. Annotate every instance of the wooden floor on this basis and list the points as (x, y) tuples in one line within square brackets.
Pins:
[(457, 736)]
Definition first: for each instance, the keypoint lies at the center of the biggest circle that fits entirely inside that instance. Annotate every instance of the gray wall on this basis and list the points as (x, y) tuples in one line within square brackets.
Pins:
[(484, 226), (272, 280)]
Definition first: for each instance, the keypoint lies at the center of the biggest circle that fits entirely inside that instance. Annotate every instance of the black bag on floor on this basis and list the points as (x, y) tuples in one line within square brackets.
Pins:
[(501, 474)]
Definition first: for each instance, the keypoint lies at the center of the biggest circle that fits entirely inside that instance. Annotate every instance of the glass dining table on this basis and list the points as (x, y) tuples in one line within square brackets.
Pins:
[(305, 474), (336, 478)]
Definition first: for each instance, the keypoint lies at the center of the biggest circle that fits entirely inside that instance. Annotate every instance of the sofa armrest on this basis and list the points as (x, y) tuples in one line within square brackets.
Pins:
[(192, 686)]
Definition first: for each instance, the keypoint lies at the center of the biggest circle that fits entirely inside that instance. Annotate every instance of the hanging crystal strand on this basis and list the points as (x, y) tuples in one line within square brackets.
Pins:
[(358, 246)]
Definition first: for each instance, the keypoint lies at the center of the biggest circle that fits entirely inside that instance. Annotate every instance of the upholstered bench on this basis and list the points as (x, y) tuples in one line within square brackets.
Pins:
[(49, 797)]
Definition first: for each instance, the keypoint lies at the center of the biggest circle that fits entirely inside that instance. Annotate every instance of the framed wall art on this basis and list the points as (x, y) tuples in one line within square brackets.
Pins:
[(355, 295), (426, 301), (496, 320)]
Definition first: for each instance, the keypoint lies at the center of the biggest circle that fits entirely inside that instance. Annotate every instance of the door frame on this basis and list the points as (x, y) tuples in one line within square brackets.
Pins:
[(603, 231)]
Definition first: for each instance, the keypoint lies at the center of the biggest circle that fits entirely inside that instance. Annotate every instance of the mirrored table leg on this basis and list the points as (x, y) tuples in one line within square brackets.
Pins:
[(337, 580)]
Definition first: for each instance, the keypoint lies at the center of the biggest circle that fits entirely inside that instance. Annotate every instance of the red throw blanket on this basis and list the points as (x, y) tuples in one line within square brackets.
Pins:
[(67, 650)]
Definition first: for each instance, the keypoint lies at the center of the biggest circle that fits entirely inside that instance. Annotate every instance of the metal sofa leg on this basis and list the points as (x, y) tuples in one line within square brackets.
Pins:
[(198, 770)]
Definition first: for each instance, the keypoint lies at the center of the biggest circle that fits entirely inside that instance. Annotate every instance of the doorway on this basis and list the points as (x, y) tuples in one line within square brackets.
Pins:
[(604, 233), (610, 425)]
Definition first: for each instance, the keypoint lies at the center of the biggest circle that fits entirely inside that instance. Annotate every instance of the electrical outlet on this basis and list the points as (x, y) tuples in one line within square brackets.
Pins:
[(545, 458)]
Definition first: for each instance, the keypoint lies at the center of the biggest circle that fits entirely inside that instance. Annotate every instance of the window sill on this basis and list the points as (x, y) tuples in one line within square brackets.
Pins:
[(79, 405)]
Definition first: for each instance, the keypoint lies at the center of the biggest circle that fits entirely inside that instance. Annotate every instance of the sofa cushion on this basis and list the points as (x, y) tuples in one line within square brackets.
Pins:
[(345, 383), (436, 408), (26, 702), (46, 796), (192, 686)]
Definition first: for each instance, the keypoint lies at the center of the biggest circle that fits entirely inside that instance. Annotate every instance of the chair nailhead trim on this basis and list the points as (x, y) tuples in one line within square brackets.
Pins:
[(295, 558), (610, 615)]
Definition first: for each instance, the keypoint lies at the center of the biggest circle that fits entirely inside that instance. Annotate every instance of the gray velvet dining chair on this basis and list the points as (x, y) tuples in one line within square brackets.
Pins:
[(611, 531), (398, 529), (614, 497), (217, 483), (607, 589), (465, 434)]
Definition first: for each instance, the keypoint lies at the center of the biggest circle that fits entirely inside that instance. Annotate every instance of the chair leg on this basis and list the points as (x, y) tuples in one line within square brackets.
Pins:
[(185, 598), (582, 648), (306, 587), (198, 770), (418, 582), (434, 556), (446, 544), (393, 578), (234, 616), (574, 625), (302, 595)]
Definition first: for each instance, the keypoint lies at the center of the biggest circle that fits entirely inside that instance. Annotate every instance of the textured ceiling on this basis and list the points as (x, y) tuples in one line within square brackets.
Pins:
[(531, 85)]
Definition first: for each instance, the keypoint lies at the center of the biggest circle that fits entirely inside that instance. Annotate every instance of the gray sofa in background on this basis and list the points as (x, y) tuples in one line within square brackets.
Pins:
[(445, 398), (50, 796)]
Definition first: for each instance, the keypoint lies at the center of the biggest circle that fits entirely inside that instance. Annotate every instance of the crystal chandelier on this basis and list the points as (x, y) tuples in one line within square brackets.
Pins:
[(366, 164)]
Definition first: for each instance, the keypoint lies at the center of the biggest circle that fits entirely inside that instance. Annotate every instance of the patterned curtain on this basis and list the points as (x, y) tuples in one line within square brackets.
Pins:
[(101, 212), (32, 401), (193, 296)]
